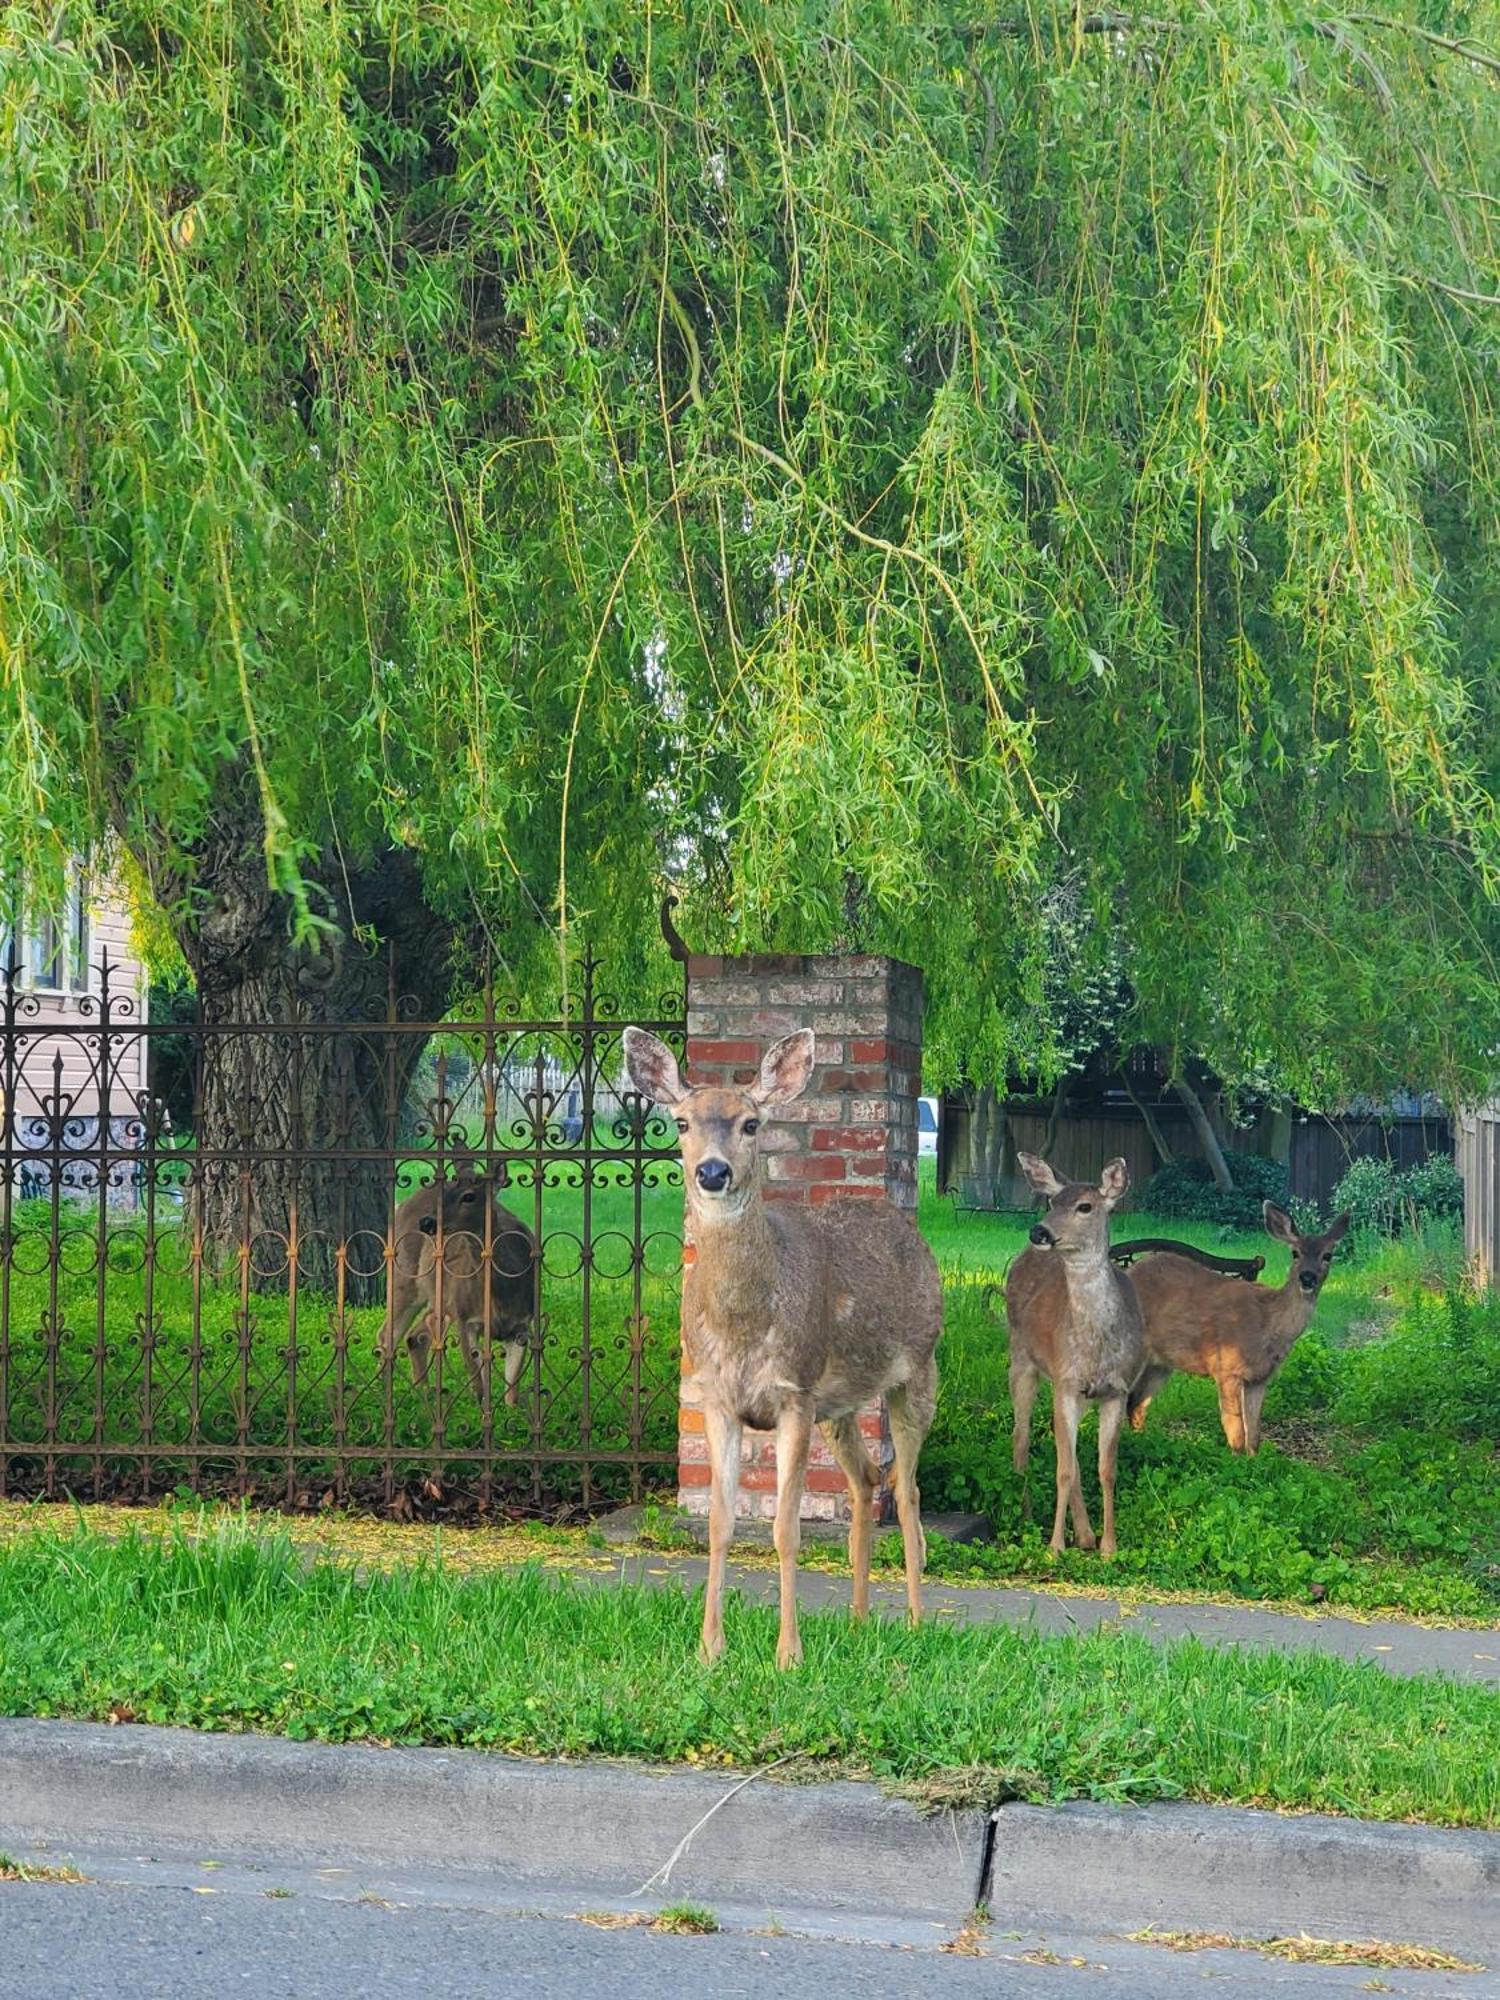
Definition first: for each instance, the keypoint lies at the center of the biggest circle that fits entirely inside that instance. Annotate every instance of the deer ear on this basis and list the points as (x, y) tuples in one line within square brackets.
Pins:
[(652, 1067), (1337, 1229), (1278, 1223), (1114, 1182), (1040, 1174), (784, 1070)]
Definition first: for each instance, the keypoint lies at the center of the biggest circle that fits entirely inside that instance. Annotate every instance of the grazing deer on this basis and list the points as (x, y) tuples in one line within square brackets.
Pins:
[(1074, 1318), (794, 1316), (1239, 1334), (467, 1217)]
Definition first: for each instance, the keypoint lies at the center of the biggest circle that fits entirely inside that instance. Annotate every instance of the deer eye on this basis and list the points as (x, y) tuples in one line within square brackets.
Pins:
[(750, 1125), (1085, 1208), (682, 1124)]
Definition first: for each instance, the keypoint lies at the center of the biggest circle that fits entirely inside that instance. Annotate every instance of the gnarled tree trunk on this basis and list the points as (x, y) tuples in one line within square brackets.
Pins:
[(301, 1074)]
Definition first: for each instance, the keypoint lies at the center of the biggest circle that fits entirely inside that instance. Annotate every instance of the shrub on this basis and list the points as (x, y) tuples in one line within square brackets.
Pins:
[(1434, 1190), (1382, 1201), (1185, 1191), (1370, 1193)]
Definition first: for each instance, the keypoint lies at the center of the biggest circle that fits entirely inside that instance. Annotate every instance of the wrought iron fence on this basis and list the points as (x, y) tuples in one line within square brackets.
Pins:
[(211, 1306)]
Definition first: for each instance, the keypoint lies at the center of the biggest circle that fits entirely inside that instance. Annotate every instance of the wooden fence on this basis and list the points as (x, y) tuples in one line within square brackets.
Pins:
[(1477, 1150), (1321, 1151)]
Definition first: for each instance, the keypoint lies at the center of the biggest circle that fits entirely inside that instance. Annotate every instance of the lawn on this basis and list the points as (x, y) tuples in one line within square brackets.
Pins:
[(231, 1631), (1376, 1488)]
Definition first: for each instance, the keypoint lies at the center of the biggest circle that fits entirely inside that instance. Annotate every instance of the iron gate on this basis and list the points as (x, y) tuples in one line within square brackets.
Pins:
[(203, 1307)]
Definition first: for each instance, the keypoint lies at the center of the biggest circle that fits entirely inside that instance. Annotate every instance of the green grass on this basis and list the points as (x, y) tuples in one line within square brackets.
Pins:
[(1376, 1487), (230, 1632)]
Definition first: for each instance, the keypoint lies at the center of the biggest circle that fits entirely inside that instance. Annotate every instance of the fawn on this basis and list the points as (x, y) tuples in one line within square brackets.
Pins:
[(792, 1317), (445, 1235), (1074, 1318), (1239, 1334)]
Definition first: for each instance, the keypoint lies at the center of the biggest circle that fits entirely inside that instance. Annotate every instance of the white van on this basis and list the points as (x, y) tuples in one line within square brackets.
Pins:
[(927, 1126)]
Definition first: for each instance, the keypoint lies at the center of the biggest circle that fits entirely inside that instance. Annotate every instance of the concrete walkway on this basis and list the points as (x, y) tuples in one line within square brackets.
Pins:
[(1466, 1652)]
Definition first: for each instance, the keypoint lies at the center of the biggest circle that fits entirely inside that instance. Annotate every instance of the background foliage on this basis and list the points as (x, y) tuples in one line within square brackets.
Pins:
[(881, 464)]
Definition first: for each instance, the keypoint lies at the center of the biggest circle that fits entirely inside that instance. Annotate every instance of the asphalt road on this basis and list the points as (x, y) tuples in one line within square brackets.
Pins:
[(143, 1940)]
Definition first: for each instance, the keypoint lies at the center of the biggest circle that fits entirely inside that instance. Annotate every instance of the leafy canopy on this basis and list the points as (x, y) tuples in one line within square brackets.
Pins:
[(884, 464)]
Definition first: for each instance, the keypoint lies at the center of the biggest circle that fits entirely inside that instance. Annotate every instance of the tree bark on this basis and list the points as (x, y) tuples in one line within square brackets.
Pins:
[(979, 1130), (1163, 1151), (994, 1148), (1054, 1119), (283, 1109), (1208, 1139)]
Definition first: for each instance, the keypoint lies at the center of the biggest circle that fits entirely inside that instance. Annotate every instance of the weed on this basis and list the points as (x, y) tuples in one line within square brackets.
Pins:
[(686, 1920)]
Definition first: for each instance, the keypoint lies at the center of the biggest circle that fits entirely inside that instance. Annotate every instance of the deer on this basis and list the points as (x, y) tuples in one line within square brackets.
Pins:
[(1238, 1334), (794, 1317), (1074, 1318), (466, 1217)]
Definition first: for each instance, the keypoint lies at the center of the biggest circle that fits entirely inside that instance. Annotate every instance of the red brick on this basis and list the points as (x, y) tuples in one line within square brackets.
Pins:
[(825, 1479), (694, 1475), (843, 1191), (805, 1167), (723, 1052), (871, 1052), (866, 1166), (847, 1139), (689, 1420)]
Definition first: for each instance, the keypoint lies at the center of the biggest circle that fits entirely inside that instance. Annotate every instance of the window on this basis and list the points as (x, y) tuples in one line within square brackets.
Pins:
[(52, 952)]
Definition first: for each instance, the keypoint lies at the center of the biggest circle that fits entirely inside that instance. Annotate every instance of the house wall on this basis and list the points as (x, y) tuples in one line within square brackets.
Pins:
[(56, 1078)]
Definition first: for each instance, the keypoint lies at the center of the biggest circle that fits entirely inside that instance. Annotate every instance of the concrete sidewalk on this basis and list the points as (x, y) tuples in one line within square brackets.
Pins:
[(1469, 1653), (836, 1859)]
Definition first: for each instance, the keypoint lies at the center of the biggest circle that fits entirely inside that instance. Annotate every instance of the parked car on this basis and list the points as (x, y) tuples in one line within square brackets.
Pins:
[(927, 1126)]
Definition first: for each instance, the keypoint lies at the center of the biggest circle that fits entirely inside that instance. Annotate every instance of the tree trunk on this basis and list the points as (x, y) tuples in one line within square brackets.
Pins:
[(1208, 1139), (994, 1149), (1054, 1119), (1274, 1138), (979, 1130), (1159, 1145), (280, 1109)]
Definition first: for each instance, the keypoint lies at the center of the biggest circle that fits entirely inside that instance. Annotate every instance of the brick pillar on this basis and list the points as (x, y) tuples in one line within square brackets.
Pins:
[(852, 1133)]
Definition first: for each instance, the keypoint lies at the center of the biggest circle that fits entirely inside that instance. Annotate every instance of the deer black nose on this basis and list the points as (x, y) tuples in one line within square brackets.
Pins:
[(713, 1176), (1042, 1234), (1309, 1281)]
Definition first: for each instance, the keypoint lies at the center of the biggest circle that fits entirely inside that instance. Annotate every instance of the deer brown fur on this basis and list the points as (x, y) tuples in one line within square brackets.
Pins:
[(1074, 1318), (1238, 1334), (794, 1316), (461, 1258)]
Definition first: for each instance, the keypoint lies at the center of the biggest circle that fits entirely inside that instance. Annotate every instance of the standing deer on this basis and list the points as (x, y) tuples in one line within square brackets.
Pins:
[(1239, 1334), (1075, 1319), (793, 1317), (474, 1228)]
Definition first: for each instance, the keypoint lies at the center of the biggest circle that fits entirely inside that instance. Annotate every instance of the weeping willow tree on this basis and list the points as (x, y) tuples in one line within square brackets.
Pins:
[(871, 464)]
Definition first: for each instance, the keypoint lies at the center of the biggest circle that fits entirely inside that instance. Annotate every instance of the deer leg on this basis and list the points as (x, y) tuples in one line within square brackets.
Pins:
[(1148, 1382), (1255, 1396), (723, 1433), (1067, 1409), (515, 1363), (848, 1448), (1111, 1417), (1232, 1410), (418, 1342), (910, 1405), (793, 1436), (471, 1339), (1022, 1396)]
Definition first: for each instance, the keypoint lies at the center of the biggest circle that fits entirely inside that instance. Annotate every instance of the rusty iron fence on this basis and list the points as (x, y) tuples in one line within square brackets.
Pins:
[(199, 1303)]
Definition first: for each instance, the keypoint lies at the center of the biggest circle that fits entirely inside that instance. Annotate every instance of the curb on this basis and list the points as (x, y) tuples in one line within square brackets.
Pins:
[(1257, 1874), (602, 1829), (597, 1827)]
